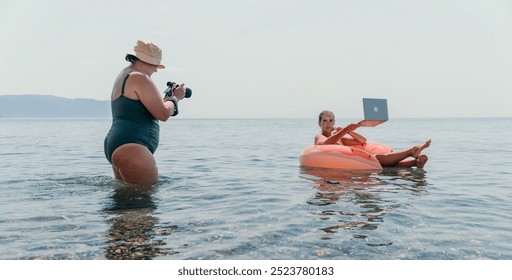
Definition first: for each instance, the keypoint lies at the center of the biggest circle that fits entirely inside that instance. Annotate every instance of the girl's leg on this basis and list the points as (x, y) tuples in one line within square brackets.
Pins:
[(421, 161), (420, 148), (418, 162), (393, 159), (407, 163)]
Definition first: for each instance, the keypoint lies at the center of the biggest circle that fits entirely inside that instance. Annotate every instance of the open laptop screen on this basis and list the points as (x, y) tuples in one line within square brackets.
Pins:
[(375, 111)]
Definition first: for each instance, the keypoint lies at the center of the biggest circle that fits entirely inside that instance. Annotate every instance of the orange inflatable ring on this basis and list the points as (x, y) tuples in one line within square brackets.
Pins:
[(357, 157)]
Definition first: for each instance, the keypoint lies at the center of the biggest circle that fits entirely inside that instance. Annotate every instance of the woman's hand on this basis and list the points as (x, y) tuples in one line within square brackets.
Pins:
[(179, 91)]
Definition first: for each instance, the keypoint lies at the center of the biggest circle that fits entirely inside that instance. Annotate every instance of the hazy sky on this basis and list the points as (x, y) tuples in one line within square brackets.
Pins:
[(431, 58)]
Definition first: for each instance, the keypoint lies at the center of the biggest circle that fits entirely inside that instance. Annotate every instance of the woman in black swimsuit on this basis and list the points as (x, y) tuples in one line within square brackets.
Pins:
[(137, 106)]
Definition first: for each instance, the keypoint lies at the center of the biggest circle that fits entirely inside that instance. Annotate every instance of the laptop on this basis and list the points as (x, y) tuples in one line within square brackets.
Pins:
[(375, 111)]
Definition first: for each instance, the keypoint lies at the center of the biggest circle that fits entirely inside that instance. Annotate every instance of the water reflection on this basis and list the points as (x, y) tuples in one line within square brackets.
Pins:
[(132, 234), (411, 179), (358, 201)]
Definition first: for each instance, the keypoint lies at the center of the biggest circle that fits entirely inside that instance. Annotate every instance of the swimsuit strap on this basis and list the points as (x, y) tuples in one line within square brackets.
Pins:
[(124, 83)]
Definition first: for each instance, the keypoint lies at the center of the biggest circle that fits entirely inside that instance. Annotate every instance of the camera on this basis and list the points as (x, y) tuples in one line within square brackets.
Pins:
[(168, 91)]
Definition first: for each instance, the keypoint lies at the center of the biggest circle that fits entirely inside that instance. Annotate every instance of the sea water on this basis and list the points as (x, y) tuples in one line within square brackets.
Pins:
[(233, 189)]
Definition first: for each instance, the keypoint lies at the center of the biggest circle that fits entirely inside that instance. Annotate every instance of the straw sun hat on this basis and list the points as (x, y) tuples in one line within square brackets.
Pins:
[(148, 52)]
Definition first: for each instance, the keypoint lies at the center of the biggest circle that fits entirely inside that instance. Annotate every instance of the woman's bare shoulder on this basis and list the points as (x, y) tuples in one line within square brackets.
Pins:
[(139, 75), (142, 80)]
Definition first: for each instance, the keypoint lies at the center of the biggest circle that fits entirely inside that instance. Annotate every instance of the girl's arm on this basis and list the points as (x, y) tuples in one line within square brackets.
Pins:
[(336, 137), (358, 137)]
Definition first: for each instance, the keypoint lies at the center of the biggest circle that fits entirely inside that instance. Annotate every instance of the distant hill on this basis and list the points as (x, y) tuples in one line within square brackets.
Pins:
[(47, 106)]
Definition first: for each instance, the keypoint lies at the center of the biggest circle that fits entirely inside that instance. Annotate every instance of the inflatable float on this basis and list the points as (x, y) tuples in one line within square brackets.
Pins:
[(357, 157)]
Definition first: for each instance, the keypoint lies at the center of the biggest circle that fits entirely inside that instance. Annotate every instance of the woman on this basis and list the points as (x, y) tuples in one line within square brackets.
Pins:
[(137, 106), (337, 136)]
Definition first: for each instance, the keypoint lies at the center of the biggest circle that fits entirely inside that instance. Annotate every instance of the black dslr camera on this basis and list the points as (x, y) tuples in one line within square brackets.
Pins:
[(168, 91)]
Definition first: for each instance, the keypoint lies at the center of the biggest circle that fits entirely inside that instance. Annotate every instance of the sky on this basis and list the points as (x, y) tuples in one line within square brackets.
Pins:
[(272, 59)]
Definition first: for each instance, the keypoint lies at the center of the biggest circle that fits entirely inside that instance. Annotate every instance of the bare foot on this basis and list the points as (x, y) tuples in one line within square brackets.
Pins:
[(417, 149), (421, 161)]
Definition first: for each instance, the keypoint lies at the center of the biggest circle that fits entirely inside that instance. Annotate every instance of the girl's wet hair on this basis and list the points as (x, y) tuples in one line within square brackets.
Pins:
[(325, 112)]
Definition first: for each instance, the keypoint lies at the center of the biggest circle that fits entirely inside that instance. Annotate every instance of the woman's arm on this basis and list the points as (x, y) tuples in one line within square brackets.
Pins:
[(149, 95)]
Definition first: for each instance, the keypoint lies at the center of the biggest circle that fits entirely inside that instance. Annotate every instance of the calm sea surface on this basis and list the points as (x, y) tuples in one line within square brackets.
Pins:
[(233, 189)]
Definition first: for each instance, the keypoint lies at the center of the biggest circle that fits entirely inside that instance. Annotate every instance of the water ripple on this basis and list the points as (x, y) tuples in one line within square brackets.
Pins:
[(242, 196)]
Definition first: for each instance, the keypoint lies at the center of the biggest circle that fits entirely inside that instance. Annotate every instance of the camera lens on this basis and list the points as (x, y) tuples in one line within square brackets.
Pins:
[(188, 93)]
